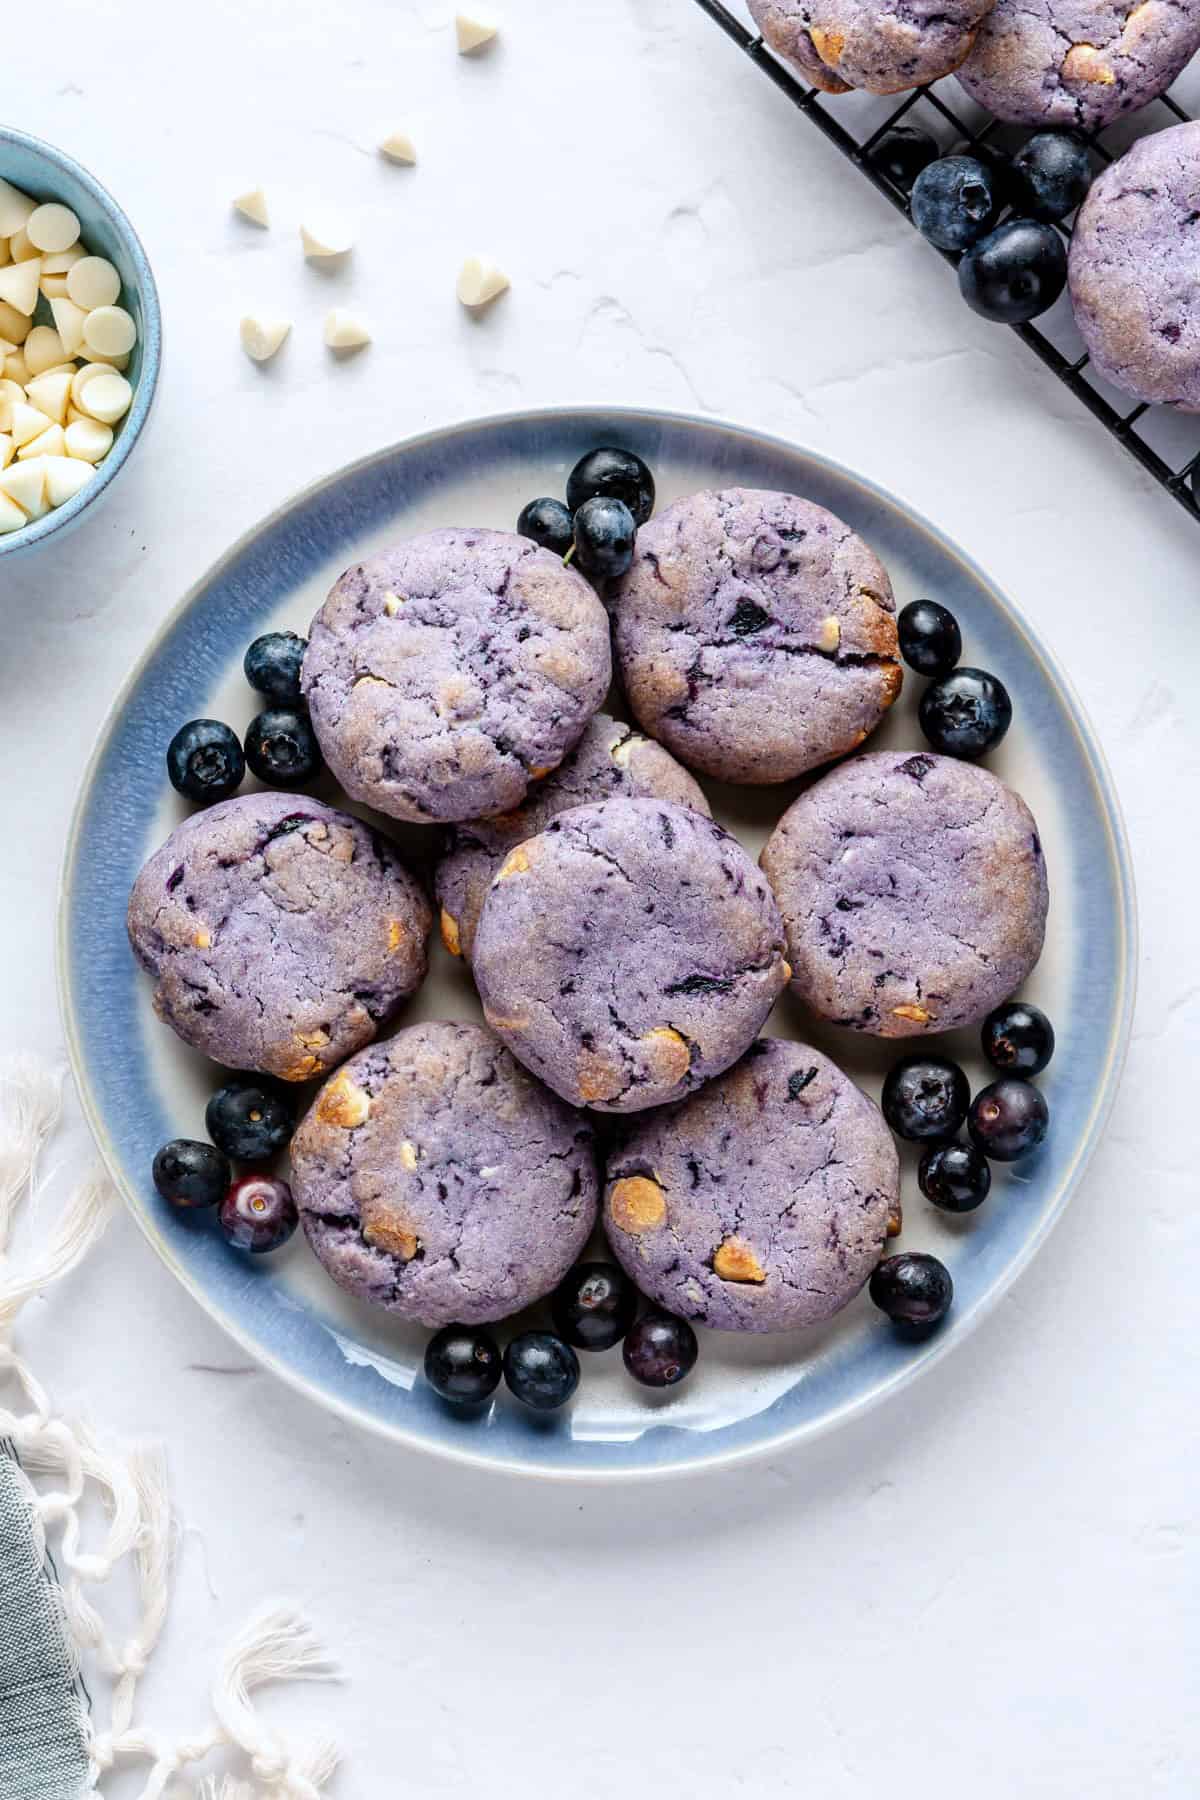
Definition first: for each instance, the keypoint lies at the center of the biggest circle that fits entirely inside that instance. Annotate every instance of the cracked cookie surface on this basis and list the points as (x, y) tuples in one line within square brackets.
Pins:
[(756, 634), (628, 953), (439, 1180), (883, 46), (1078, 63), (446, 674), (761, 1204), (913, 888), (610, 761), (280, 933), (1134, 270)]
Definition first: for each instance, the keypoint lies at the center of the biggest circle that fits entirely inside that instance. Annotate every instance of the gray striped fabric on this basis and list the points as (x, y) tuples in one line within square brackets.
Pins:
[(43, 1704)]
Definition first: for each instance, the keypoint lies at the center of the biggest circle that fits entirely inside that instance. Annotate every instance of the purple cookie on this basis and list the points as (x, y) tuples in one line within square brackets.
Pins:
[(914, 892), (761, 1204), (756, 635), (872, 44), (280, 933), (437, 1179), (1078, 62), (446, 674), (1135, 270), (628, 953), (610, 761)]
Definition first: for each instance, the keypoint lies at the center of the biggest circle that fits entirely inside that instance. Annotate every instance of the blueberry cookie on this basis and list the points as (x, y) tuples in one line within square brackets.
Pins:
[(446, 674), (756, 635), (628, 953), (280, 933), (914, 892), (1134, 270), (1078, 62), (842, 44), (760, 1204), (610, 761), (437, 1179)]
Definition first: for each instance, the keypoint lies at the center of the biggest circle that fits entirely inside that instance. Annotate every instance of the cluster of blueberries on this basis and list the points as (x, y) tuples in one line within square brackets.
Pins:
[(1010, 269), (927, 1100), (610, 492), (963, 712), (249, 1120), (206, 760)]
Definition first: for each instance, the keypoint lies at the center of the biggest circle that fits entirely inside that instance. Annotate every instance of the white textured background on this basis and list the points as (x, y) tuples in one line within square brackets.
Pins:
[(988, 1589)]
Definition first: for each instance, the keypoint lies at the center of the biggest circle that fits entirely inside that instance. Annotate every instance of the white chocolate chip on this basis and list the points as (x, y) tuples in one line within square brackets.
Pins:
[(52, 227), (253, 206), (397, 146), (15, 209), (261, 338), (107, 398), (52, 442), (15, 370), (68, 322), (473, 31), (20, 249), (83, 378), (19, 285), (480, 281), (25, 423), (6, 450), (325, 238), (64, 478), (345, 330), (5, 257), (51, 394), (11, 516), (93, 282), (830, 634), (54, 287), (88, 439), (109, 330), (25, 482), (60, 262), (14, 326), (43, 349)]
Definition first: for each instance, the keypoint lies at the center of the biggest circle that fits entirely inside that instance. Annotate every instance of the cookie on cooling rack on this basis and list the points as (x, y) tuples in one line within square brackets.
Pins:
[(842, 44)]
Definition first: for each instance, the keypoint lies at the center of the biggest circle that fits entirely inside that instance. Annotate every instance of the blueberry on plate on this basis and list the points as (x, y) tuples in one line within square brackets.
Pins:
[(1018, 1038), (249, 1119), (549, 524), (612, 474), (188, 1173), (463, 1364), (604, 539), (1015, 273), (925, 1097), (902, 153), (594, 1305), (955, 1177), (1053, 173), (205, 761), (272, 665), (954, 202), (996, 161), (541, 1370), (282, 748), (258, 1214), (660, 1349), (966, 713), (914, 1290), (1008, 1119), (930, 640)]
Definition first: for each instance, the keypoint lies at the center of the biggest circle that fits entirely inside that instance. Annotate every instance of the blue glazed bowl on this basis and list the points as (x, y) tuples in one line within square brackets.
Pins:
[(45, 173)]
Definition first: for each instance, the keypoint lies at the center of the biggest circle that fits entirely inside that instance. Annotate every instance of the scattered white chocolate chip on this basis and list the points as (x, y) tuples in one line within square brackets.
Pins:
[(93, 282), (326, 238), (110, 331), (480, 282), (88, 439), (15, 209), (397, 146), (261, 338), (107, 398), (52, 227), (43, 349), (65, 475), (345, 330), (253, 206), (19, 285), (473, 31)]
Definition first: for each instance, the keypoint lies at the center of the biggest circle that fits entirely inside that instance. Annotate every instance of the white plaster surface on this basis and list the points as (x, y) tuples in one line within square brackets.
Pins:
[(987, 1589)]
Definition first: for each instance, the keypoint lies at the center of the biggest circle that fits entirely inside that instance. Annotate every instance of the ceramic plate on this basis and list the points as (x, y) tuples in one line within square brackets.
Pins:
[(140, 1086)]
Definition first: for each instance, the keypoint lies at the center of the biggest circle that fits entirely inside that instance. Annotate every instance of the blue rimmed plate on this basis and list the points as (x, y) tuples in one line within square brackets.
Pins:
[(140, 1086)]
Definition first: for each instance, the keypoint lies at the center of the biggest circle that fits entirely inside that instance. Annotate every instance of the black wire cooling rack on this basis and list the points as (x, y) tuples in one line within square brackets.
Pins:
[(1165, 443)]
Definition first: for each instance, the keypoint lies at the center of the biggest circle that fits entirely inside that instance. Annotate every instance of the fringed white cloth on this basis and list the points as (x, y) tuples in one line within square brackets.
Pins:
[(52, 1745)]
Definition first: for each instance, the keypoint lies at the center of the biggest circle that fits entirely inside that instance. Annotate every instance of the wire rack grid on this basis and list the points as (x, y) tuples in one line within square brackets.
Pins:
[(1164, 442)]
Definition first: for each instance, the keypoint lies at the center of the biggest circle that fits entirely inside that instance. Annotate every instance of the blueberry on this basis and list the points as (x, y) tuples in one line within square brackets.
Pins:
[(249, 1119), (191, 1174), (925, 1097), (902, 153), (282, 748), (1053, 173), (272, 665), (541, 1370), (604, 537), (930, 640), (258, 1214), (996, 161), (955, 1177), (205, 761), (614, 475), (966, 713), (1008, 1119), (1018, 1037), (913, 1289), (1017, 272), (462, 1364), (594, 1305), (548, 523), (954, 202), (660, 1349)]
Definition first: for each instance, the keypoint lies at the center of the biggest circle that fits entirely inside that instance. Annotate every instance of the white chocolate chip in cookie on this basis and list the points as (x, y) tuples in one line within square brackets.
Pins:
[(668, 1053), (450, 933), (830, 634), (1083, 62), (637, 1204), (515, 863), (343, 1103), (408, 1155), (736, 1261)]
